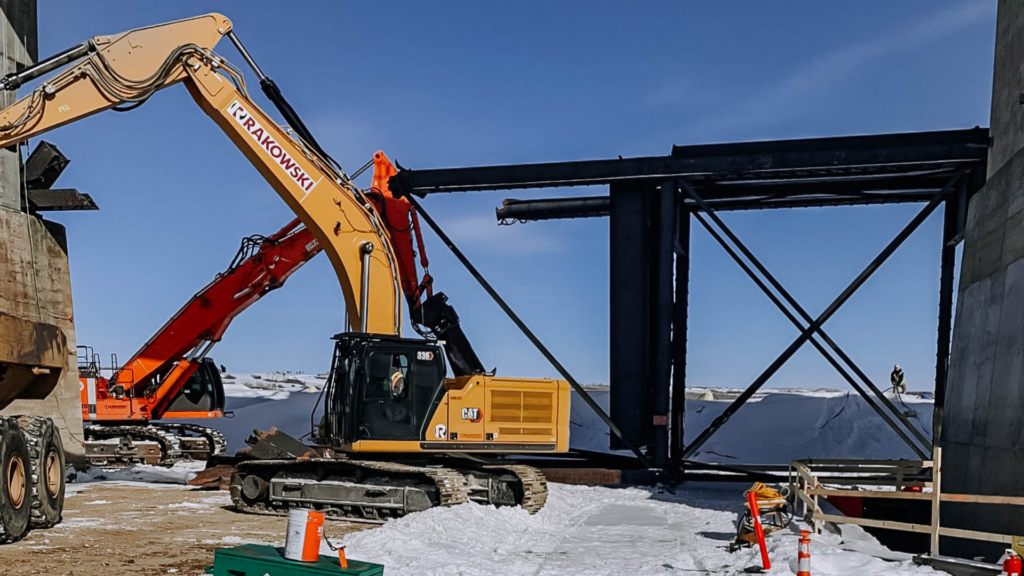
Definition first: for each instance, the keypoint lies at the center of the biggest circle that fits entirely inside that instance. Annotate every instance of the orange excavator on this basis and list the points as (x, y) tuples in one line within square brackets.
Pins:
[(396, 435)]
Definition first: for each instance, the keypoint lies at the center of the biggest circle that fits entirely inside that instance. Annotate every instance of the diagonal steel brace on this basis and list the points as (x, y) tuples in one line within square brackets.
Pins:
[(803, 313), (816, 323), (817, 345)]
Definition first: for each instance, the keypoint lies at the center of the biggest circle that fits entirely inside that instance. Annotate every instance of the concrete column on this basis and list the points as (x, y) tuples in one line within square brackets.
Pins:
[(18, 48), (35, 284), (982, 436)]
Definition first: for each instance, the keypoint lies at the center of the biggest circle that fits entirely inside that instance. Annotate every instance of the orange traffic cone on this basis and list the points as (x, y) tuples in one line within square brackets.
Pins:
[(803, 555)]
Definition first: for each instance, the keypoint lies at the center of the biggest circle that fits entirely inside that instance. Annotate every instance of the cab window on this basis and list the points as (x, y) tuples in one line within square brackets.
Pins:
[(388, 376)]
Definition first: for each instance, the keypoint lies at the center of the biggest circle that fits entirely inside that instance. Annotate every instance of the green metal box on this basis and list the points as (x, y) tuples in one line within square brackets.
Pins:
[(256, 560)]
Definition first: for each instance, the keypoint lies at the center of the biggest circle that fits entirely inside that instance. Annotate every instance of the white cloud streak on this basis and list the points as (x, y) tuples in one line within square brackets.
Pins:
[(776, 101)]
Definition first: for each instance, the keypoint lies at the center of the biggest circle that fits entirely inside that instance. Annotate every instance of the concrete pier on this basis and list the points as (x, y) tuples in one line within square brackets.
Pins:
[(983, 429), (37, 328)]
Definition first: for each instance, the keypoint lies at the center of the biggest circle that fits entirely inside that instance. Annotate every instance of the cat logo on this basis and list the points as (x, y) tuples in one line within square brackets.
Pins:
[(471, 414)]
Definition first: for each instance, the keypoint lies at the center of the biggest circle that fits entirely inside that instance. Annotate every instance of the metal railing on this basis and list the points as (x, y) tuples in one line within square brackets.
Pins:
[(805, 484)]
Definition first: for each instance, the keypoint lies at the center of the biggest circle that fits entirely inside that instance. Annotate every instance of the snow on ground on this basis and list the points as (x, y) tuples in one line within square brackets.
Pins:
[(593, 530), (179, 473)]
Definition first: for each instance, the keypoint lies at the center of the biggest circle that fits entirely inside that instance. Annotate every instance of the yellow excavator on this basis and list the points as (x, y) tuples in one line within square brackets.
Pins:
[(396, 435)]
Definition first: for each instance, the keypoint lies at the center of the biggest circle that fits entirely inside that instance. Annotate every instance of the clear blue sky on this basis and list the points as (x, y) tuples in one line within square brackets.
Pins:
[(438, 84)]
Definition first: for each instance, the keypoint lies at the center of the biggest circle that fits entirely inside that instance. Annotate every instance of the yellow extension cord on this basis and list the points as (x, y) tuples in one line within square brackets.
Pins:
[(767, 497)]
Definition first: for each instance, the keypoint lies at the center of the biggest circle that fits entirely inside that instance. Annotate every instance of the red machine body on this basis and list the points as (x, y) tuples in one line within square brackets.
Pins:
[(146, 387)]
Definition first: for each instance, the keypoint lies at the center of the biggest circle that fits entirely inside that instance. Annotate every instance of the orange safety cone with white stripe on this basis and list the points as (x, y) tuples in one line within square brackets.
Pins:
[(803, 555)]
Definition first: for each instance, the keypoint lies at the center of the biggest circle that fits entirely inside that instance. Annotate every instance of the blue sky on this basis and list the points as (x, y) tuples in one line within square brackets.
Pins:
[(438, 84)]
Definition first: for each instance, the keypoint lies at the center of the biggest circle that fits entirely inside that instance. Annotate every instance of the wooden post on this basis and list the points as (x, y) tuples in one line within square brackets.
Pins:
[(936, 497), (803, 487), (817, 508)]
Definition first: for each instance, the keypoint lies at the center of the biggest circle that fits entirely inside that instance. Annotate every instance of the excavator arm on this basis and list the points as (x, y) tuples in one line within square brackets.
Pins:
[(261, 265), (430, 313), (123, 71), (153, 377)]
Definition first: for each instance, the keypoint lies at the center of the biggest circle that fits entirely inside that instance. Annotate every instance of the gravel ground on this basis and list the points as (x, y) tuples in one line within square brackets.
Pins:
[(129, 528)]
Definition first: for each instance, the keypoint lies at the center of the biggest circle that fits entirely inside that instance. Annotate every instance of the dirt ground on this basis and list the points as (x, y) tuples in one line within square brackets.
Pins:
[(126, 529)]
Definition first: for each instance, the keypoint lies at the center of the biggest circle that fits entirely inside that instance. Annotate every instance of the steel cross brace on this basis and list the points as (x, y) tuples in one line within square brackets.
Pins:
[(816, 323), (807, 318), (828, 356)]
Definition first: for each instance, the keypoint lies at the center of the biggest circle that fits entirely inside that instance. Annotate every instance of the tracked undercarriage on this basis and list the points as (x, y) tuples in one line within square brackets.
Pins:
[(158, 444), (376, 490)]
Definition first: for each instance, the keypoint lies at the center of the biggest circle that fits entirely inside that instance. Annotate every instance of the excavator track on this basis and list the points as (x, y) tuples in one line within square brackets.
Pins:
[(375, 490), (116, 446), (534, 485), (451, 484), (371, 491), (160, 444), (216, 444)]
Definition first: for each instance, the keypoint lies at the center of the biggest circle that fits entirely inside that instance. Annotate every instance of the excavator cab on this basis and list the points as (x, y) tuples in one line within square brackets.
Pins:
[(382, 388), (203, 392)]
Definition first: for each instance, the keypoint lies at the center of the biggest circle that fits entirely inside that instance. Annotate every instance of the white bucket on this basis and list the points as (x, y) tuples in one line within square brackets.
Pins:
[(305, 530)]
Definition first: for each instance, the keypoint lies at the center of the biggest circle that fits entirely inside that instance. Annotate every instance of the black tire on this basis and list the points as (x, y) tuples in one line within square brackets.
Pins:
[(15, 482), (46, 456)]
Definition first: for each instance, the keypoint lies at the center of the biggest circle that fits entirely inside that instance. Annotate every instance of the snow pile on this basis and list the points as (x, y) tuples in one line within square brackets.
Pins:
[(179, 473), (773, 428), (778, 427), (271, 385), (593, 530), (785, 427)]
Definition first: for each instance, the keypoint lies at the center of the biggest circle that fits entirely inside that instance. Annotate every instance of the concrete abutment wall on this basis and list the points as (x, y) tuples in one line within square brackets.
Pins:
[(35, 283), (983, 429)]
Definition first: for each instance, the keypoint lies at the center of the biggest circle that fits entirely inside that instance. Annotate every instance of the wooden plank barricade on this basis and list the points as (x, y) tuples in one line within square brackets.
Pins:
[(900, 474)]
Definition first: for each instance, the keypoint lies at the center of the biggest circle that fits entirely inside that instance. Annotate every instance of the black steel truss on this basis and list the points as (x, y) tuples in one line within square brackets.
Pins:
[(821, 171), (815, 326), (934, 168)]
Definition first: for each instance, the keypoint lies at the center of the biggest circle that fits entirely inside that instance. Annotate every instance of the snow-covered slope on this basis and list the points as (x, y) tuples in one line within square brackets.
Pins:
[(779, 427), (773, 428), (276, 385)]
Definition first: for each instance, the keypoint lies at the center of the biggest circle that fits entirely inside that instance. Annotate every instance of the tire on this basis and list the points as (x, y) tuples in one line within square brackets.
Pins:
[(46, 458), (15, 482)]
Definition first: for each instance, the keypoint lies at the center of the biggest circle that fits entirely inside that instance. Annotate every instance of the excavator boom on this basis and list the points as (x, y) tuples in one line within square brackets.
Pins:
[(155, 374), (123, 71), (170, 376)]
